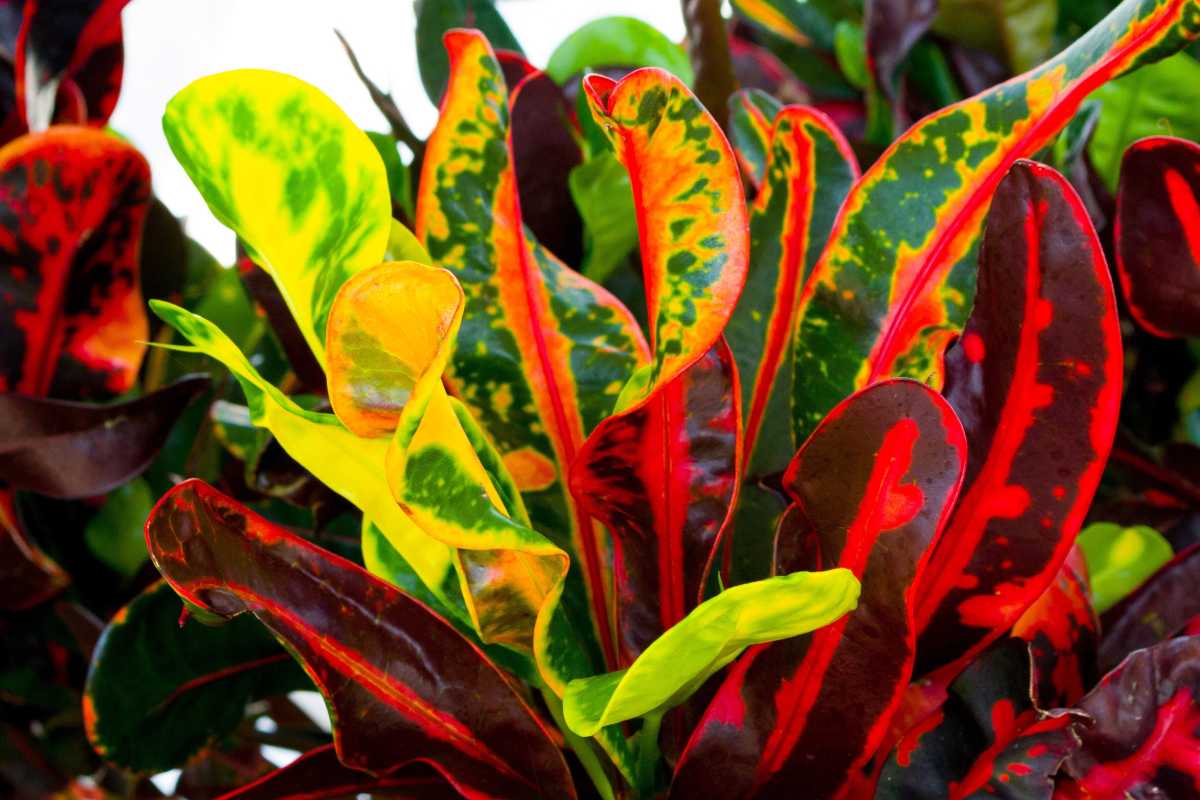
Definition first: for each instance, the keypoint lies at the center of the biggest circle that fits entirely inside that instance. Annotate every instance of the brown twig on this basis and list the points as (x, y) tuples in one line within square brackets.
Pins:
[(708, 49)]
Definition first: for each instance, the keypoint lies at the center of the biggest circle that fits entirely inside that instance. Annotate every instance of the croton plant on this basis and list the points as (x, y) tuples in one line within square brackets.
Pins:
[(634, 434)]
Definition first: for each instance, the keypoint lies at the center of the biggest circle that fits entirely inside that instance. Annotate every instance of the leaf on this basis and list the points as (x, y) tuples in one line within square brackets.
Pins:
[(351, 466), (402, 685), (72, 201), (601, 190), (1142, 739), (69, 450), (1160, 100), (707, 45), (114, 535), (892, 28), (662, 479), (302, 187), (158, 691), (804, 24), (808, 172), (1020, 31), (318, 774), (1119, 560), (435, 19), (709, 637), (752, 114), (875, 481), (896, 281), (399, 182), (1157, 610), (617, 42), (28, 576), (542, 352), (1157, 234), (1036, 380)]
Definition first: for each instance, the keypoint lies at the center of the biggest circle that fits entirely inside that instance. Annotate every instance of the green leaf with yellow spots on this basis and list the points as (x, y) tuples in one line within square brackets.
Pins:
[(282, 166)]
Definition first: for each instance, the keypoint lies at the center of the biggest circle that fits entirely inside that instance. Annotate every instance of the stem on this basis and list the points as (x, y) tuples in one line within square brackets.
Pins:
[(582, 748), (387, 106), (708, 49), (648, 754)]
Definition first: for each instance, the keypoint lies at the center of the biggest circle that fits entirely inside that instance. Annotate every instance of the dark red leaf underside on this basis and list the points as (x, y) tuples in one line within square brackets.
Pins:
[(1036, 380), (1157, 234), (1159, 609), (27, 575), (662, 480), (875, 481), (403, 685)]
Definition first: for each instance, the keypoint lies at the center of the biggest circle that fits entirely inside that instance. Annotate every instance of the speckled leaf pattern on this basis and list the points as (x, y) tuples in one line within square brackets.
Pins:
[(752, 115), (1036, 380), (304, 189), (875, 482), (896, 282), (542, 353), (401, 684)]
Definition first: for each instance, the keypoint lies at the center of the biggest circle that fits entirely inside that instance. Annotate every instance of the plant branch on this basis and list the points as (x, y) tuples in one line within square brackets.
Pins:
[(708, 49)]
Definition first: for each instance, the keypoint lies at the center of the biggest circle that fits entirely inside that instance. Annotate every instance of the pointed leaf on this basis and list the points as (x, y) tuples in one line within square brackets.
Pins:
[(876, 481), (75, 450), (1036, 379), (1157, 233), (800, 23), (752, 114), (150, 714), (402, 684), (435, 18), (1158, 610), (896, 281), (72, 204), (712, 635), (287, 170)]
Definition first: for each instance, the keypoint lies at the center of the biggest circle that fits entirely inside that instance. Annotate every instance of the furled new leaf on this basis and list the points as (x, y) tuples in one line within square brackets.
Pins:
[(875, 481), (402, 685), (896, 281), (1036, 380), (304, 189), (1157, 234)]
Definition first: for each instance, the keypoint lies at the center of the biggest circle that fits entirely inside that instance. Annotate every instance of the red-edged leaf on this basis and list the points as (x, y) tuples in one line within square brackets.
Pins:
[(1160, 608), (72, 323), (402, 684), (875, 480), (1036, 380), (27, 575), (661, 478), (74, 450), (1146, 714), (318, 774), (1063, 635), (1157, 234)]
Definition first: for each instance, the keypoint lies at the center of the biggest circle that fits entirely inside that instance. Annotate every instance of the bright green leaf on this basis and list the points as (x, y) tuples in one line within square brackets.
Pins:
[(1120, 559), (850, 47), (617, 42), (435, 17), (604, 197), (114, 535)]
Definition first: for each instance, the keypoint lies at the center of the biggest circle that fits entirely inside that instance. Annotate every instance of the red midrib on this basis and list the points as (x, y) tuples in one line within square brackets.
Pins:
[(1082, 87), (670, 533)]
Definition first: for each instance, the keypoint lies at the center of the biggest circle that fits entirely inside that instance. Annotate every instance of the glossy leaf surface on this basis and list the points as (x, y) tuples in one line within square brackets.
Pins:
[(897, 279), (1159, 609), (318, 774), (1120, 559), (158, 691), (304, 189), (708, 638), (617, 42), (72, 204), (73, 450), (1036, 380), (1157, 234), (402, 684), (875, 481), (752, 114)]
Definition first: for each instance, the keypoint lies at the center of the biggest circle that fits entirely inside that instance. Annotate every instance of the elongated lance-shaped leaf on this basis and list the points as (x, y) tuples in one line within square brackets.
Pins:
[(72, 204), (353, 467), (662, 479), (875, 481), (1142, 741), (391, 331), (752, 115), (287, 170), (542, 353), (809, 170), (691, 213), (402, 685), (1036, 379), (712, 635), (1157, 234), (897, 279), (804, 24)]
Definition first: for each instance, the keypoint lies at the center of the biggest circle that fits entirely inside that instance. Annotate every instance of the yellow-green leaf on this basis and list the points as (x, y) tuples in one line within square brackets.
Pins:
[(1119, 560)]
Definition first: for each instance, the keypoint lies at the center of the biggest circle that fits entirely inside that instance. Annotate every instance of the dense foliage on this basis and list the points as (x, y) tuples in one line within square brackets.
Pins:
[(634, 434)]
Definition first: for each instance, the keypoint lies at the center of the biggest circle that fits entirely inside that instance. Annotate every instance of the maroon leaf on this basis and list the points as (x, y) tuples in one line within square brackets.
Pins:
[(662, 479), (892, 27), (1142, 741), (1157, 234), (261, 286), (1159, 608), (402, 684), (72, 322), (27, 575), (318, 774), (876, 481), (74, 450), (1036, 379)]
